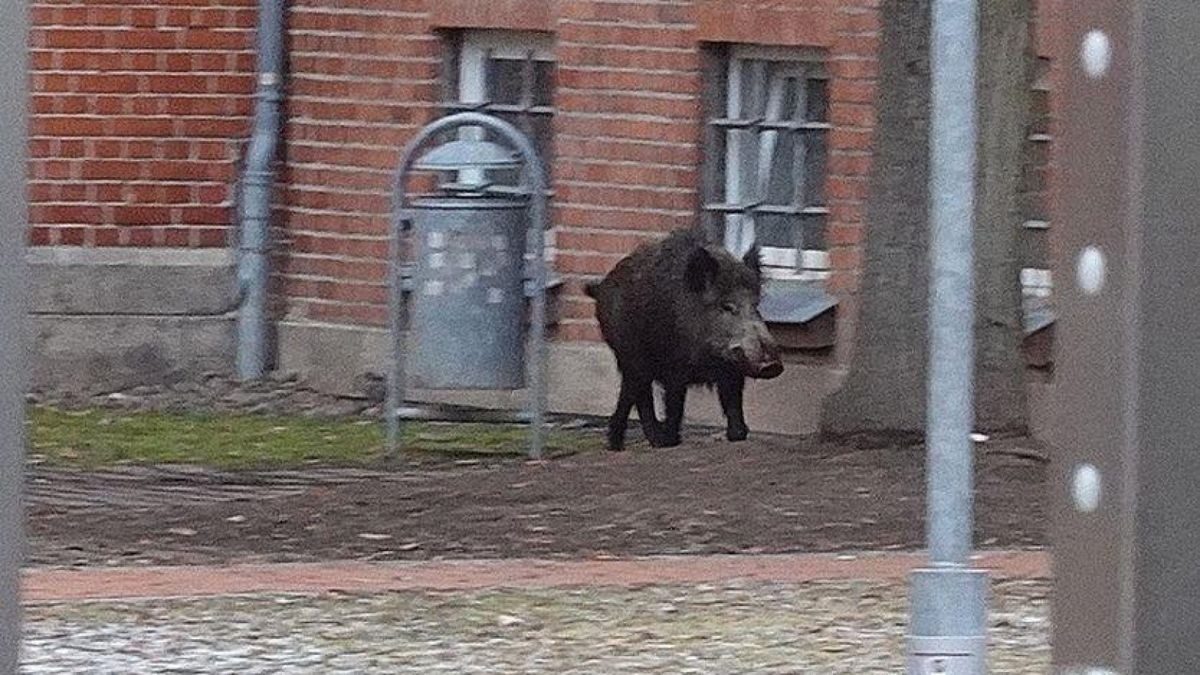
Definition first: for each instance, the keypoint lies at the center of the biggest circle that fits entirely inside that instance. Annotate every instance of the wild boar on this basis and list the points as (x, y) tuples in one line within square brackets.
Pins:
[(683, 312)]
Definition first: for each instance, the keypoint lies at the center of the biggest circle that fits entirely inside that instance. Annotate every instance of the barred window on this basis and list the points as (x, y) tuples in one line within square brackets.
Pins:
[(1037, 302), (1035, 274), (509, 74), (767, 155)]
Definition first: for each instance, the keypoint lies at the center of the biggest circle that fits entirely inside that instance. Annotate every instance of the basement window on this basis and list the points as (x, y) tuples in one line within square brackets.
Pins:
[(508, 74), (769, 142), (766, 140)]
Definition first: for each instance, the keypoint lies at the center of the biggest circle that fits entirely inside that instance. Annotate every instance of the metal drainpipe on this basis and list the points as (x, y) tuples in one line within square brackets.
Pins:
[(254, 271)]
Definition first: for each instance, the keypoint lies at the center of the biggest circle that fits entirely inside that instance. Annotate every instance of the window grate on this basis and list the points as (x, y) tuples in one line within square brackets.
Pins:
[(768, 132)]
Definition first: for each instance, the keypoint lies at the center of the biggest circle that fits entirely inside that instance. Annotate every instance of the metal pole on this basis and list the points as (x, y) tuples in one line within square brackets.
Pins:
[(1126, 467), (948, 623), (14, 29), (537, 235)]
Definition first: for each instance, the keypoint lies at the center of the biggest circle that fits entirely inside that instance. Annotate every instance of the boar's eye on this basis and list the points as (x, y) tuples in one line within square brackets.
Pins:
[(729, 308)]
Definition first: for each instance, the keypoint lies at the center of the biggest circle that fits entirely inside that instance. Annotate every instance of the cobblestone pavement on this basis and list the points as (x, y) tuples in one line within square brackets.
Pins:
[(730, 627)]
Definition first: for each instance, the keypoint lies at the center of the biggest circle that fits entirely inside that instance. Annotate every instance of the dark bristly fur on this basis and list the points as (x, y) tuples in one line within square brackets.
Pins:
[(681, 312)]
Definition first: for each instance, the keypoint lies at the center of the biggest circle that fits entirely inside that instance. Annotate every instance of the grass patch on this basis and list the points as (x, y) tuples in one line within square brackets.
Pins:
[(97, 438)]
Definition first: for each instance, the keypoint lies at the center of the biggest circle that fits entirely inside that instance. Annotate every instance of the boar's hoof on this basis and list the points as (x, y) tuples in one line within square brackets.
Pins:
[(666, 441), (616, 441), (769, 371), (736, 434)]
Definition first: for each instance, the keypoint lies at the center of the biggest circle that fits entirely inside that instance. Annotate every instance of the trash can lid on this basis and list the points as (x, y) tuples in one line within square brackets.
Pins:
[(468, 154)]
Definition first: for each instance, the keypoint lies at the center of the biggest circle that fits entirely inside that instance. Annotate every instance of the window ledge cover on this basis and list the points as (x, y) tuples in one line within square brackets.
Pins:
[(791, 301), (796, 302)]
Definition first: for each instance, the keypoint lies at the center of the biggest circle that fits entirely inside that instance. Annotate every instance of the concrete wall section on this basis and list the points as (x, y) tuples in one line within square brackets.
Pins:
[(583, 379), (106, 353), (132, 281), (105, 319)]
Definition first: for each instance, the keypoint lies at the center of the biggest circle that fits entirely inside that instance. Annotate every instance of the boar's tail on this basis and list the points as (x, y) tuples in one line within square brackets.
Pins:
[(591, 289)]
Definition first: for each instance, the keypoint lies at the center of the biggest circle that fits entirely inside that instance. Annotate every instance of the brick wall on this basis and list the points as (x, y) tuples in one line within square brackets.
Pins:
[(1047, 36), (627, 132), (363, 80), (627, 129), (138, 108)]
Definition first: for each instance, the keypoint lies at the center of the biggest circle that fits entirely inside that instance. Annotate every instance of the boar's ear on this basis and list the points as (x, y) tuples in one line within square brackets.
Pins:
[(753, 260), (701, 269)]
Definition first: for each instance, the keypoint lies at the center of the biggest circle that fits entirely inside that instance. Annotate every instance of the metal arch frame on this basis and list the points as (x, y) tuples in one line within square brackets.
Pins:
[(534, 180)]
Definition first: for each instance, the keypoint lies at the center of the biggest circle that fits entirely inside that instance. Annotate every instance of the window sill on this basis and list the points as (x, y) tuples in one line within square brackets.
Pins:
[(800, 313)]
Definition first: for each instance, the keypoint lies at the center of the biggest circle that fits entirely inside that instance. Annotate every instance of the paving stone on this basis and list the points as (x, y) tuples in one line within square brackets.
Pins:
[(767, 628)]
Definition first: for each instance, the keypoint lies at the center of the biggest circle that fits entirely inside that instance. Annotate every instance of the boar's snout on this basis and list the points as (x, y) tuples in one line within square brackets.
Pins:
[(771, 365), (758, 355), (770, 370)]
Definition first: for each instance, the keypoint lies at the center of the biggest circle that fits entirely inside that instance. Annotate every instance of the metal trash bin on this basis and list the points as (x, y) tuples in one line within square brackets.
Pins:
[(478, 243), (467, 309)]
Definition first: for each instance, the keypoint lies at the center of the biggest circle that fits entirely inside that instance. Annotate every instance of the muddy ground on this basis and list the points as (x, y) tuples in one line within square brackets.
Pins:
[(768, 494)]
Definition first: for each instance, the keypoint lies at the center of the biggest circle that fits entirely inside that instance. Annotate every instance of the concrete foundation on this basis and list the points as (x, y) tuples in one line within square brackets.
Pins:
[(105, 319), (583, 379)]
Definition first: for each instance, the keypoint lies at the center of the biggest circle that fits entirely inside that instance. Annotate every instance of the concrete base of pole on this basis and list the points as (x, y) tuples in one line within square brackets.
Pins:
[(949, 622)]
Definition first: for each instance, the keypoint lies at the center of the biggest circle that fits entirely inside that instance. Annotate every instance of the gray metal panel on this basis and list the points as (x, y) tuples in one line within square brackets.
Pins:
[(1093, 550), (13, 221), (1167, 576), (1127, 594), (468, 301)]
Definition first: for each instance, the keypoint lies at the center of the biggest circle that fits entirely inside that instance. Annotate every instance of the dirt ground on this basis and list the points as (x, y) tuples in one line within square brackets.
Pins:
[(768, 494)]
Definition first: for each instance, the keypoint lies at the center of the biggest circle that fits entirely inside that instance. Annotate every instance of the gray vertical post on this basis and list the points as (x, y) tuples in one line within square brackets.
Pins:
[(254, 250), (948, 625), (13, 219), (1126, 465)]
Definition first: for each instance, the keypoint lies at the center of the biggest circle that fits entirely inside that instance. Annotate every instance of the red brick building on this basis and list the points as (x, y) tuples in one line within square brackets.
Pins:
[(652, 114)]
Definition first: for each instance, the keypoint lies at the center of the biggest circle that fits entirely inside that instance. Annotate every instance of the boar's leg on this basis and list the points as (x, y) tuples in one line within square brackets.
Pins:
[(729, 390), (620, 418), (631, 393), (649, 418), (675, 397)]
